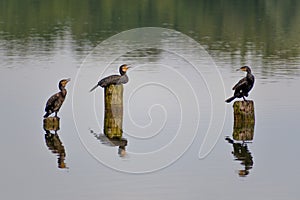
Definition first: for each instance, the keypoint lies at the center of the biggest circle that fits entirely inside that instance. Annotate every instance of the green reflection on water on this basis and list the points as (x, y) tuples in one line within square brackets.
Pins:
[(270, 29)]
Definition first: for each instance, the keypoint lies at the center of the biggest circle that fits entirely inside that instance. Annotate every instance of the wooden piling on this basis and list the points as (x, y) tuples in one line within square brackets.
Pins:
[(113, 117), (244, 120), (51, 124)]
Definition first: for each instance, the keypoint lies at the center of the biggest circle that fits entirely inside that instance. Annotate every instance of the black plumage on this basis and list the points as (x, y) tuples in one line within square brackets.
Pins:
[(242, 88), (55, 101), (114, 79)]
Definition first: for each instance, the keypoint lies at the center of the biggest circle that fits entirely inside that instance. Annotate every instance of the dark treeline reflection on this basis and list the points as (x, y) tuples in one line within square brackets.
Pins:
[(268, 28)]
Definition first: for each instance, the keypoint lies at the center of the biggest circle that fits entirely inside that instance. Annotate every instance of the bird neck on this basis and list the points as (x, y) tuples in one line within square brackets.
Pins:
[(250, 76), (122, 73), (63, 91), (249, 73), (123, 79)]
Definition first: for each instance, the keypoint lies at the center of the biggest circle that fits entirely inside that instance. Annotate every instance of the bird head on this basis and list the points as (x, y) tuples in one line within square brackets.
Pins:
[(123, 69), (63, 82), (245, 69)]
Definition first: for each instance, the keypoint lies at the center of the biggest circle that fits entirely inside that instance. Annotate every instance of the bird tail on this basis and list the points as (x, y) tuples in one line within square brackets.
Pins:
[(46, 115), (230, 99), (229, 140), (94, 88)]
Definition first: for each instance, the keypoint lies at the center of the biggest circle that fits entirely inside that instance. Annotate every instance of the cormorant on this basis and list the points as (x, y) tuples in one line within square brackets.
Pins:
[(242, 88), (55, 101), (114, 79)]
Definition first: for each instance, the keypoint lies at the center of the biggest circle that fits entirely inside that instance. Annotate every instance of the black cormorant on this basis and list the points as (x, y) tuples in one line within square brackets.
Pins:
[(242, 88), (55, 101), (114, 79)]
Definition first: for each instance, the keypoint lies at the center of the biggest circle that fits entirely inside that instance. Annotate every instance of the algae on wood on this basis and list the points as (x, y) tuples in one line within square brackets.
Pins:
[(51, 124), (244, 120), (113, 117)]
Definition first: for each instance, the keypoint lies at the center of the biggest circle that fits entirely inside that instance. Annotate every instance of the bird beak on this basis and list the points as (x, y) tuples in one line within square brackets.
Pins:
[(128, 67), (238, 69), (68, 80)]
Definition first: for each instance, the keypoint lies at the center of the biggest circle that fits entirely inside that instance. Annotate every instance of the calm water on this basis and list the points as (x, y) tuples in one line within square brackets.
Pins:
[(175, 119)]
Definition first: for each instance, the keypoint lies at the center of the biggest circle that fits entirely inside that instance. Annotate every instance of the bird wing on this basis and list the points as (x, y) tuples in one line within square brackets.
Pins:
[(113, 79), (53, 102), (240, 84)]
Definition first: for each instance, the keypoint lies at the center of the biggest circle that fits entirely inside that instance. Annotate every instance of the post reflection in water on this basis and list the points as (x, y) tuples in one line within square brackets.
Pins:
[(243, 133), (113, 142), (53, 141)]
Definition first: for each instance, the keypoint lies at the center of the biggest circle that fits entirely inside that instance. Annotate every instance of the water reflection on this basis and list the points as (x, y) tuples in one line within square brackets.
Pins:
[(242, 154), (56, 147), (52, 140), (112, 142), (265, 32), (146, 55)]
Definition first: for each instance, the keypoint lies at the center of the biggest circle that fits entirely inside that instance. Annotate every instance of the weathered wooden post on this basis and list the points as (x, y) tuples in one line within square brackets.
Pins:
[(244, 120), (51, 124), (113, 117)]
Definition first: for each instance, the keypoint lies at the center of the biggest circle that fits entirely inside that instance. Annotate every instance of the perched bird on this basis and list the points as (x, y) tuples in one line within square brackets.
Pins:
[(114, 79), (242, 88), (55, 101)]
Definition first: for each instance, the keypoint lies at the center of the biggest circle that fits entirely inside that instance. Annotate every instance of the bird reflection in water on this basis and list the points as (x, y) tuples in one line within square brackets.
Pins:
[(53, 141), (242, 153), (56, 147), (113, 142)]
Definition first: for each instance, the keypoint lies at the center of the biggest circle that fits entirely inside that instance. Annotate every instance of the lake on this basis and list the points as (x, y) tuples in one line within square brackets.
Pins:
[(178, 133)]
